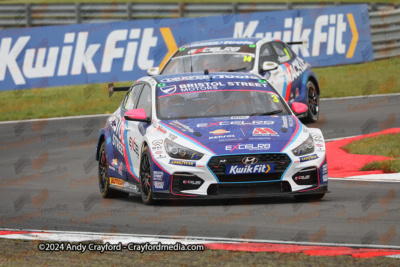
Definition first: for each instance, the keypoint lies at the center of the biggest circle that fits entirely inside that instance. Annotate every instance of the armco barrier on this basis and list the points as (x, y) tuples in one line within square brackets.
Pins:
[(123, 51)]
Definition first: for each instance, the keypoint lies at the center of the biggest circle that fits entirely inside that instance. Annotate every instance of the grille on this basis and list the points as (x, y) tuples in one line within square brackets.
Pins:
[(249, 190), (217, 166)]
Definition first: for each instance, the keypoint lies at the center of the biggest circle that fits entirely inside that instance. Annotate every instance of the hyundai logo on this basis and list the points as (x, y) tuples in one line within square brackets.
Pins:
[(249, 160)]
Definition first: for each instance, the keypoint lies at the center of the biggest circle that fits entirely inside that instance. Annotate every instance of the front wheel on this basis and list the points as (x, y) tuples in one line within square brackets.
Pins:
[(146, 182), (312, 103), (104, 178)]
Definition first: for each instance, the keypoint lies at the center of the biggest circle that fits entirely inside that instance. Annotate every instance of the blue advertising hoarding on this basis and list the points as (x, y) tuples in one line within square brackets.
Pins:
[(123, 51)]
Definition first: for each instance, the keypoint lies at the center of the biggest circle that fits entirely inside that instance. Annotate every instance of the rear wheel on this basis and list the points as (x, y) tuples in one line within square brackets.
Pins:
[(146, 181), (310, 197), (104, 178), (312, 103)]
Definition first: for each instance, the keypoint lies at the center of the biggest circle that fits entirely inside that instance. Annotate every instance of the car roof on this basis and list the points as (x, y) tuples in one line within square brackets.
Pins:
[(199, 82), (226, 41)]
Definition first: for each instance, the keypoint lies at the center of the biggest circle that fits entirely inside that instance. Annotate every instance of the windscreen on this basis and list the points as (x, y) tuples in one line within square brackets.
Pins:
[(219, 104), (215, 62)]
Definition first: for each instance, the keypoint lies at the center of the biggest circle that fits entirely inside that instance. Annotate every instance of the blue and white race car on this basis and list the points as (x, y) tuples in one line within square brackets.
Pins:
[(218, 135), (291, 76)]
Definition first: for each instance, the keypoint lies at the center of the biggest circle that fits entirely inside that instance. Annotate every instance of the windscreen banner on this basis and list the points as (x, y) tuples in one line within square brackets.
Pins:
[(123, 51)]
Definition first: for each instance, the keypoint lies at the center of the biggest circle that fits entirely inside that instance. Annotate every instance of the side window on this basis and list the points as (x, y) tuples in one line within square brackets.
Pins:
[(290, 51), (145, 100), (266, 54), (132, 97), (281, 51)]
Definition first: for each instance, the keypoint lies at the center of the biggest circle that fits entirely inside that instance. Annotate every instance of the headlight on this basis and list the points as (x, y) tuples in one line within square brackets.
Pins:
[(305, 148), (180, 152)]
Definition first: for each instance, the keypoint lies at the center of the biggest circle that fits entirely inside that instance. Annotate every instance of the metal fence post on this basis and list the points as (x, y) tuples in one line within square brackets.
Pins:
[(28, 15), (181, 9), (235, 8), (373, 6), (129, 10), (78, 17)]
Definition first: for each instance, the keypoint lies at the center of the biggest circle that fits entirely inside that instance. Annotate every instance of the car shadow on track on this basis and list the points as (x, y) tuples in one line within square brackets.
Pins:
[(218, 202)]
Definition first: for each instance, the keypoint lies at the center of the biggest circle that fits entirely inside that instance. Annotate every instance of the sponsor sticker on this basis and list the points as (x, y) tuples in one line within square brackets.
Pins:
[(219, 132), (182, 126), (116, 181), (239, 123), (158, 185), (182, 163), (117, 144), (161, 129), (114, 162), (264, 132), (157, 145), (240, 117), (168, 89), (248, 147), (111, 167), (249, 169), (214, 50), (307, 158), (157, 175), (191, 182), (325, 169), (120, 168), (317, 138), (131, 187), (222, 136), (302, 177), (284, 122)]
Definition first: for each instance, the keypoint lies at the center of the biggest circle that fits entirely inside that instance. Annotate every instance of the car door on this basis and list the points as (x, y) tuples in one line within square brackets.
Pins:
[(281, 78), (128, 103), (134, 132), (275, 77)]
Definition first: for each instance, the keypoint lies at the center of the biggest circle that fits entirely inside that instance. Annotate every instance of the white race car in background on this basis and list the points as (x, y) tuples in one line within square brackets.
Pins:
[(291, 76)]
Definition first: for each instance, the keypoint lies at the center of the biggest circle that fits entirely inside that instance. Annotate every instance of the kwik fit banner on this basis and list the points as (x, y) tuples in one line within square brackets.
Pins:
[(123, 51)]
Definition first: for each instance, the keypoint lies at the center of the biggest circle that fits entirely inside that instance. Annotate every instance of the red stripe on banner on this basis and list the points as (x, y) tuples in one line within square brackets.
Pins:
[(308, 250)]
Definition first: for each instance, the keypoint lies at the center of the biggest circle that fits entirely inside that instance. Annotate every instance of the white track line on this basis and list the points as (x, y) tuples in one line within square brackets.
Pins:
[(361, 96), (71, 236), (58, 118)]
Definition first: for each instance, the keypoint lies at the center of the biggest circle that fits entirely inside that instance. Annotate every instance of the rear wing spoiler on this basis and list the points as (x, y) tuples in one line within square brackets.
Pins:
[(112, 89), (305, 43)]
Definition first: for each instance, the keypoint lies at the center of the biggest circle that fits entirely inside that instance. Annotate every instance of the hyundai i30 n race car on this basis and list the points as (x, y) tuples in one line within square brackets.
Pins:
[(220, 135), (271, 58)]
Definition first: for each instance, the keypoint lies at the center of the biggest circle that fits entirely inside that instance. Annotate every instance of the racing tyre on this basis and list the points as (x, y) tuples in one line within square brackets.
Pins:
[(312, 103), (104, 178), (309, 197), (146, 181)]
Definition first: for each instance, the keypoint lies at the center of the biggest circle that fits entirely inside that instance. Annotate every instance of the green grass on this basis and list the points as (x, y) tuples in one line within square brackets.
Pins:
[(175, 1), (387, 145), (378, 77), (25, 253), (58, 102)]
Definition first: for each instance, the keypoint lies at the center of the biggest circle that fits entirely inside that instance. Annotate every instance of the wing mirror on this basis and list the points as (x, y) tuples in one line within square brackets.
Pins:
[(299, 108), (153, 71), (269, 65), (136, 115)]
